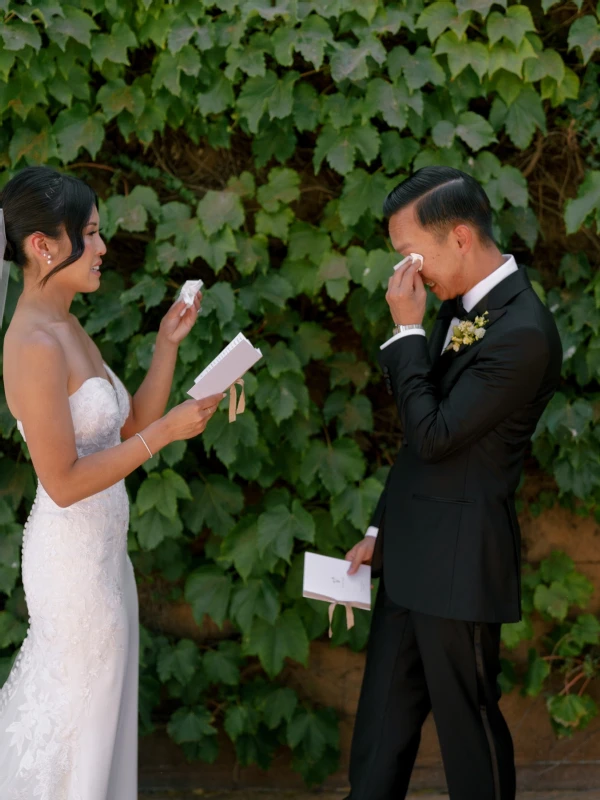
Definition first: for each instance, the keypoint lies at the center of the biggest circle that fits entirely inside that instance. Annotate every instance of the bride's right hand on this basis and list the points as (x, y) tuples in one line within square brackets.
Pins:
[(191, 417)]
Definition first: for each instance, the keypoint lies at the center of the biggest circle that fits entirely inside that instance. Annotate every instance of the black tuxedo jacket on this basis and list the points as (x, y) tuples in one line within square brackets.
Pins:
[(449, 539)]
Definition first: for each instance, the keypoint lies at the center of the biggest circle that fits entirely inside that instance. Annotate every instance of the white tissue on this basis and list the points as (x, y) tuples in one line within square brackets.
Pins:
[(412, 257), (189, 290)]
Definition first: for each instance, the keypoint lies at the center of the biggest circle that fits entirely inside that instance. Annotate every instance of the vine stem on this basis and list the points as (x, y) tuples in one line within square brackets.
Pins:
[(568, 686), (584, 687), (92, 165)]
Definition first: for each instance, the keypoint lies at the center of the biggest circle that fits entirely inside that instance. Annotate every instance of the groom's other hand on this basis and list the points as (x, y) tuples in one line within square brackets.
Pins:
[(406, 295), (361, 553)]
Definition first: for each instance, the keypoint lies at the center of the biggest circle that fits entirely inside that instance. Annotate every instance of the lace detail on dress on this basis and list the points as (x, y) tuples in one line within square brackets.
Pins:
[(60, 709)]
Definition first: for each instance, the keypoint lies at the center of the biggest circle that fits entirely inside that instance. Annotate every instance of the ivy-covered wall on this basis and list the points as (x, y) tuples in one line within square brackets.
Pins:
[(251, 143)]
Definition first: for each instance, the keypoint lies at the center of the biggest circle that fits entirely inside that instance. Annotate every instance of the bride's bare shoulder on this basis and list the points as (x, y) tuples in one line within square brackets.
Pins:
[(32, 355)]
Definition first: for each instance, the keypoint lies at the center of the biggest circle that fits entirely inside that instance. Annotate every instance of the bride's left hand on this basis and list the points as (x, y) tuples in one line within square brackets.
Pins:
[(173, 327)]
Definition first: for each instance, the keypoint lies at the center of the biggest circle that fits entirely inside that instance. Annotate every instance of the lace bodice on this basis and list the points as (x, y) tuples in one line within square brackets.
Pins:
[(99, 409)]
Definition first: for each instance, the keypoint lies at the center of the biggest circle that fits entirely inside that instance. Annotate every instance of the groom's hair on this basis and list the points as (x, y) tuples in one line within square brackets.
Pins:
[(443, 197)]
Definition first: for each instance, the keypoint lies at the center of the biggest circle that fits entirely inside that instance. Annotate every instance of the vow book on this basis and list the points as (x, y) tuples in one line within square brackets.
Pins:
[(227, 368), (327, 578)]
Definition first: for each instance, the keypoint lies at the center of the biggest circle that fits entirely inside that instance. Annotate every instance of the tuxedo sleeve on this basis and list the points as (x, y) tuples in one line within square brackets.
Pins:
[(377, 518), (505, 375)]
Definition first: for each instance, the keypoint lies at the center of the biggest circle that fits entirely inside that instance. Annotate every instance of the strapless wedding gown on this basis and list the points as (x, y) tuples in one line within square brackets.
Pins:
[(68, 711)]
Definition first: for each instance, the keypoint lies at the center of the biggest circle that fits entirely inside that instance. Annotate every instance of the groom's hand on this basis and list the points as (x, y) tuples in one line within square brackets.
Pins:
[(406, 295), (361, 553)]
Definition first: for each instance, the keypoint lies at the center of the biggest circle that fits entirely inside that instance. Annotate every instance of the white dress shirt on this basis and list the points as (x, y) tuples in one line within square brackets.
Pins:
[(470, 300)]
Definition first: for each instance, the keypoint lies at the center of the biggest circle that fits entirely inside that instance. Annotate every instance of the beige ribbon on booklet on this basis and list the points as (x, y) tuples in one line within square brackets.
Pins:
[(236, 406), (349, 615)]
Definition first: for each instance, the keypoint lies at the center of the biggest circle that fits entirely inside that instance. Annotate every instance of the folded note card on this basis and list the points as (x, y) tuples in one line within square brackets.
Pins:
[(327, 578), (225, 371)]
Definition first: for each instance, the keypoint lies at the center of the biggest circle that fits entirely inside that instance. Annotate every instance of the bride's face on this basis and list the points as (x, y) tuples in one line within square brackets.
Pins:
[(84, 274)]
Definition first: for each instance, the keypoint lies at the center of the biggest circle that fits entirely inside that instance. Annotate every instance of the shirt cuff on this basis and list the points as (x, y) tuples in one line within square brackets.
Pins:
[(400, 335), (372, 531)]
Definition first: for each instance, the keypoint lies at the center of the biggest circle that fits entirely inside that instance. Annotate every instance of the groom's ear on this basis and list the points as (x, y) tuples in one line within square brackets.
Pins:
[(463, 237)]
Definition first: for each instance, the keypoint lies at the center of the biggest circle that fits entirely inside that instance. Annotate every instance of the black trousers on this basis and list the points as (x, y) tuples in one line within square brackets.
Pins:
[(417, 663)]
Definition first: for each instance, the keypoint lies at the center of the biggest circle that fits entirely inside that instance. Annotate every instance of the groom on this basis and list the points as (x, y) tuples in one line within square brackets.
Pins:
[(445, 538)]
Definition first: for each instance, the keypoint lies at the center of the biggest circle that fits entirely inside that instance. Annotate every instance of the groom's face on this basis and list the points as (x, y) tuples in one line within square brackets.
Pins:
[(442, 261)]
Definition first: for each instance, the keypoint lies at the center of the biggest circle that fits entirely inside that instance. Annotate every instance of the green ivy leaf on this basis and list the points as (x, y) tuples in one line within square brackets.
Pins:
[(352, 62), (462, 54), (161, 491), (418, 68), (524, 116), (585, 34), (180, 661), (513, 25), (586, 630), (286, 638), (314, 730), (215, 500), (113, 47), (279, 526), (340, 147), (17, 35), (537, 672), (116, 96), (357, 503), (255, 97), (75, 24), (513, 633), (217, 209), (552, 600), (152, 528), (338, 464), (311, 342), (257, 598), (208, 591), (222, 665), (587, 202), (570, 710), (281, 189), (10, 557), (76, 128), (312, 39), (12, 630), (190, 725), (216, 99), (280, 706)]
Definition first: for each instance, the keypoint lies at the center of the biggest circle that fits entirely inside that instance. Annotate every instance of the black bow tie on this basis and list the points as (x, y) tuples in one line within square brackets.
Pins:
[(461, 312)]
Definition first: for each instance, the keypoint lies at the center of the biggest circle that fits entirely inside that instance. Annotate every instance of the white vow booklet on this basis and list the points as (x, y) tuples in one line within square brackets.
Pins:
[(327, 578), (227, 368)]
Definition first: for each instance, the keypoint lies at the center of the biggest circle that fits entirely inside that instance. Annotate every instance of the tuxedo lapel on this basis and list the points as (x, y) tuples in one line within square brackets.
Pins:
[(440, 330)]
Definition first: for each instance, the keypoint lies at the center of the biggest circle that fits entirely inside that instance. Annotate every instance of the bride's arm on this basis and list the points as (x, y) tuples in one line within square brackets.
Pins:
[(40, 391), (149, 402)]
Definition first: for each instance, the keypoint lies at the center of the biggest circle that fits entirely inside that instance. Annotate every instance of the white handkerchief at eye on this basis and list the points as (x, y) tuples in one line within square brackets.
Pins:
[(327, 579), (410, 257)]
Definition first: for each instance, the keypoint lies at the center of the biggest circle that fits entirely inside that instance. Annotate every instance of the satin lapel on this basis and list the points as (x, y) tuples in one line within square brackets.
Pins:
[(494, 315)]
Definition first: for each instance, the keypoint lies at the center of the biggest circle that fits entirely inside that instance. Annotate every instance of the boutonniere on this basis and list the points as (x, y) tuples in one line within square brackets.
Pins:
[(467, 332)]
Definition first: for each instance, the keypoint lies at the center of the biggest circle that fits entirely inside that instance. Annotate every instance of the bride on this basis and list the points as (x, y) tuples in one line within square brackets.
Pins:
[(68, 712)]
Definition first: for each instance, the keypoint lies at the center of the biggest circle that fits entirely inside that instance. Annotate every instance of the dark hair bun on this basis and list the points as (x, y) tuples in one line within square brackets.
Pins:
[(9, 252), (42, 199)]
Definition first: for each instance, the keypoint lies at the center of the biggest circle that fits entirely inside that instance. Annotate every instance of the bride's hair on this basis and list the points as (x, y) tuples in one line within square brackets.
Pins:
[(40, 199)]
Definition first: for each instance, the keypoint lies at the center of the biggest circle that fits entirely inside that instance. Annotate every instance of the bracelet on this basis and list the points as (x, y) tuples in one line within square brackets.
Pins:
[(144, 441)]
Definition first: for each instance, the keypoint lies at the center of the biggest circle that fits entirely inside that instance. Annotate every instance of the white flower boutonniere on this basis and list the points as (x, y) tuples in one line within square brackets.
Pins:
[(467, 332)]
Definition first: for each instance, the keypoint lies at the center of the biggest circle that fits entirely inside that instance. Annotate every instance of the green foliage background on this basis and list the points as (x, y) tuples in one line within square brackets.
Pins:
[(251, 143)]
